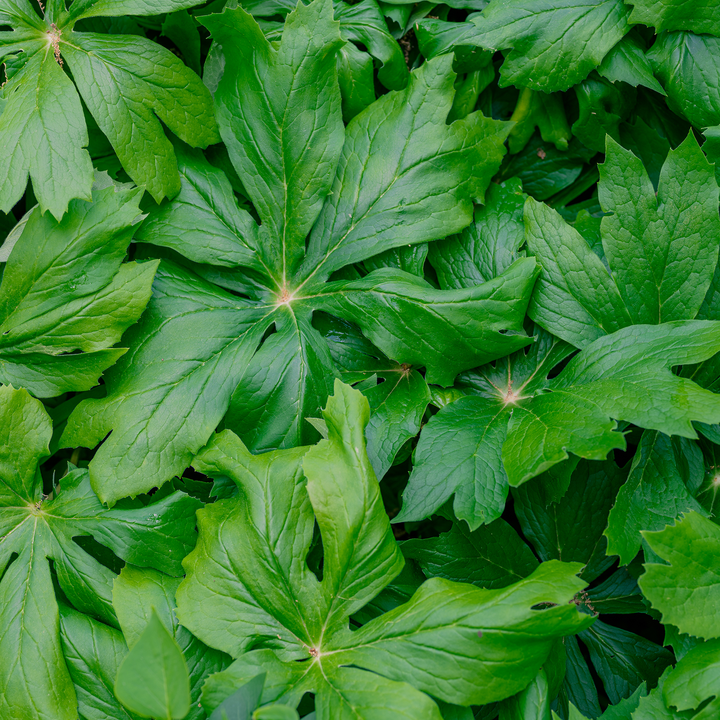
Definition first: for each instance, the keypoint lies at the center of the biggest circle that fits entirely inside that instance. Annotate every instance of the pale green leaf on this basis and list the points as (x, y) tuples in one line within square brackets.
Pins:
[(687, 590), (153, 680)]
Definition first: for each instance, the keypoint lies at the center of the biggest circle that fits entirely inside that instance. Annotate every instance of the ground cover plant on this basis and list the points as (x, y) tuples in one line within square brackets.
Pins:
[(359, 360)]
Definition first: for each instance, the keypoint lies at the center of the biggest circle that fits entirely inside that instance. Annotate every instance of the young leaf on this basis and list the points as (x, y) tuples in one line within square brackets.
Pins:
[(153, 679), (553, 45), (176, 385), (37, 529), (64, 289), (661, 266), (687, 589), (128, 83), (269, 593)]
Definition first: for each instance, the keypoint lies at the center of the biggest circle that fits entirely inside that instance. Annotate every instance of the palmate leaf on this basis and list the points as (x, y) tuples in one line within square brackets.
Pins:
[(249, 585), (36, 679), (128, 83), (65, 289), (700, 17), (661, 250), (398, 175), (686, 590), (552, 45), (687, 66), (515, 424)]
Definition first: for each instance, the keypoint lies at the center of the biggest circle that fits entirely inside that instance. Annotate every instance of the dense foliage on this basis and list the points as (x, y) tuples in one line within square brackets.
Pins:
[(359, 361)]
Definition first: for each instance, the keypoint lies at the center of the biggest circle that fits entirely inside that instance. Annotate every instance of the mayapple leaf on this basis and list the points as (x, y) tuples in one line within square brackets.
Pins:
[(687, 67), (140, 592), (115, 8), (37, 529), (249, 583), (127, 82), (65, 289), (662, 249), (686, 590), (694, 680), (515, 423), (657, 491), (153, 679), (263, 366), (700, 17), (552, 45), (93, 653)]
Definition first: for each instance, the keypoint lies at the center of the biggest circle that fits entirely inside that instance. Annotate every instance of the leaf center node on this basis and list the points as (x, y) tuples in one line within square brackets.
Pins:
[(54, 38)]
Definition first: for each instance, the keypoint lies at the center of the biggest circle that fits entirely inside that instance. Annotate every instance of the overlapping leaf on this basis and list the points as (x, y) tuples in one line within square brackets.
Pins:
[(685, 591), (552, 45), (36, 678), (128, 83), (661, 250), (66, 297), (398, 175), (237, 599)]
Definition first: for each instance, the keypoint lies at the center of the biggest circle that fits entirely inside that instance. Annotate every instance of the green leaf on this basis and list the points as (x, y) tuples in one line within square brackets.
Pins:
[(624, 376), (655, 494), (364, 23), (64, 289), (488, 246), (570, 529), (182, 29), (137, 594), (533, 703), (130, 84), (493, 556), (287, 174), (687, 66), (447, 331), (553, 45), (235, 597), (37, 529), (460, 448), (623, 659), (241, 704), (421, 176), (153, 679), (685, 590), (356, 79), (627, 63), (701, 17), (93, 653), (41, 135), (694, 680), (114, 8), (397, 407), (602, 107), (661, 267), (263, 366)]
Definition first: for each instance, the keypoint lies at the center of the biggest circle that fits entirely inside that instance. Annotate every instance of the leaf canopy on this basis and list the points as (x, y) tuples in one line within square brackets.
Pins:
[(269, 598), (65, 289), (38, 529), (128, 83), (353, 192)]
